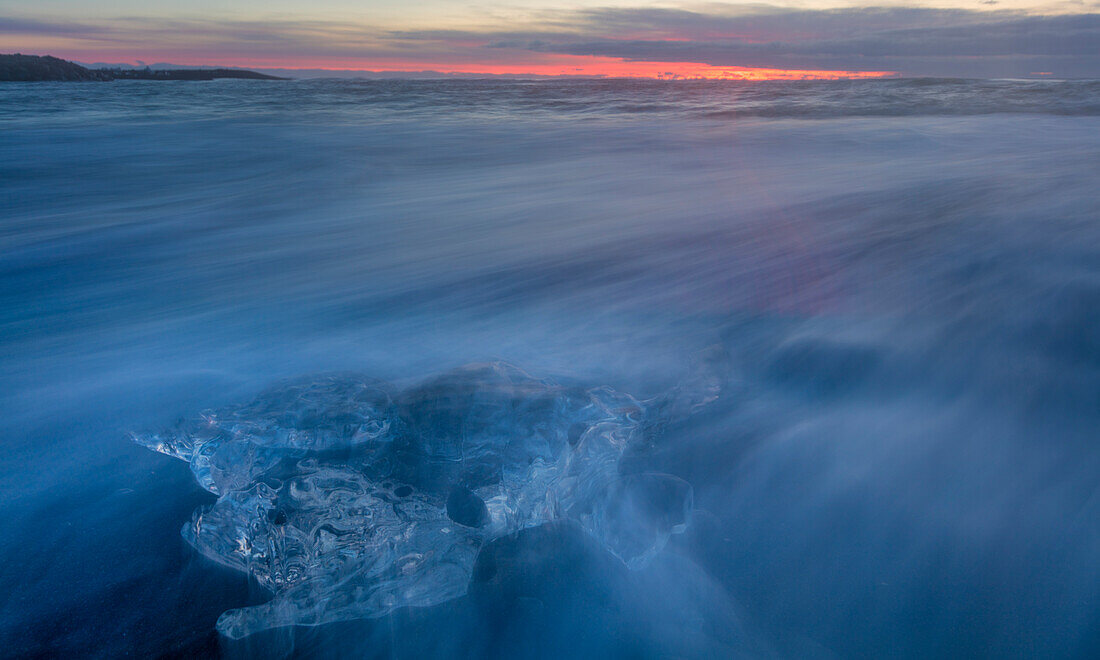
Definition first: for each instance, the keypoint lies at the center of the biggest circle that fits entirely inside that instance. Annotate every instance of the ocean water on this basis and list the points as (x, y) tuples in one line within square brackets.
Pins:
[(900, 280)]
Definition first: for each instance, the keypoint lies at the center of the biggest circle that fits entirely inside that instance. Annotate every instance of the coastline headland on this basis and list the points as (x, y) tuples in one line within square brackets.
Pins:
[(41, 68)]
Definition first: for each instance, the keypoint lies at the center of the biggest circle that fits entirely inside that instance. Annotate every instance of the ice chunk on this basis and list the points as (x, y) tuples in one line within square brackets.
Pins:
[(228, 449), (638, 513), (348, 499), (466, 508)]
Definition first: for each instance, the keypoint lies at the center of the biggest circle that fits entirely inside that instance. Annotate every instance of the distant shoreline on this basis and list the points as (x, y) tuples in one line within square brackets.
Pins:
[(46, 68)]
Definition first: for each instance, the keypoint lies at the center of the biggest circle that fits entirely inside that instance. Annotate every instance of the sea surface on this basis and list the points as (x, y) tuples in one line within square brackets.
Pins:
[(902, 279)]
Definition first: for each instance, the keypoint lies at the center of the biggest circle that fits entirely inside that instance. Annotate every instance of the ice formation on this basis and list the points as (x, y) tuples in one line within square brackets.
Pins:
[(348, 499)]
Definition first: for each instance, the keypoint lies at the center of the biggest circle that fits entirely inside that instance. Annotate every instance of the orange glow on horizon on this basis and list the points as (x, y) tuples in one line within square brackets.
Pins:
[(556, 65), (614, 68)]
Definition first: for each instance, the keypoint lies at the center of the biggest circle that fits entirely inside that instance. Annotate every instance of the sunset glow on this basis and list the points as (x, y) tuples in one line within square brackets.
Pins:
[(609, 68), (605, 38), (592, 67), (533, 64)]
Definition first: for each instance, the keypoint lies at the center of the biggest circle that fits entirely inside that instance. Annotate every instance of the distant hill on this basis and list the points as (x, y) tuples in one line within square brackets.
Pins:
[(20, 67), (30, 68), (185, 74)]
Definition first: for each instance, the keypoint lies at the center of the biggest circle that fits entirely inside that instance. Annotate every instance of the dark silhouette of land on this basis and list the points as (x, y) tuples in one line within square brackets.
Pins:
[(31, 68), (185, 74), (20, 67)]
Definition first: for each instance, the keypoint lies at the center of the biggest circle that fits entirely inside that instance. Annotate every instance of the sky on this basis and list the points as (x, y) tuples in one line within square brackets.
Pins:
[(799, 39)]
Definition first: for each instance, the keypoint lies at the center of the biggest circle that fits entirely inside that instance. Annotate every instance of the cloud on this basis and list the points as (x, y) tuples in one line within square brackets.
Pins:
[(32, 26), (1034, 38), (273, 40), (913, 41)]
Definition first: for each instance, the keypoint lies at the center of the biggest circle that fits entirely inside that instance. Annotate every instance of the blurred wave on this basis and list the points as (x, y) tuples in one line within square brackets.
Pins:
[(907, 290), (354, 101)]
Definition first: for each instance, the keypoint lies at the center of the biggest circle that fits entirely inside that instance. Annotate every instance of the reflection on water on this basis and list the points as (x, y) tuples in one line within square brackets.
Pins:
[(903, 461)]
